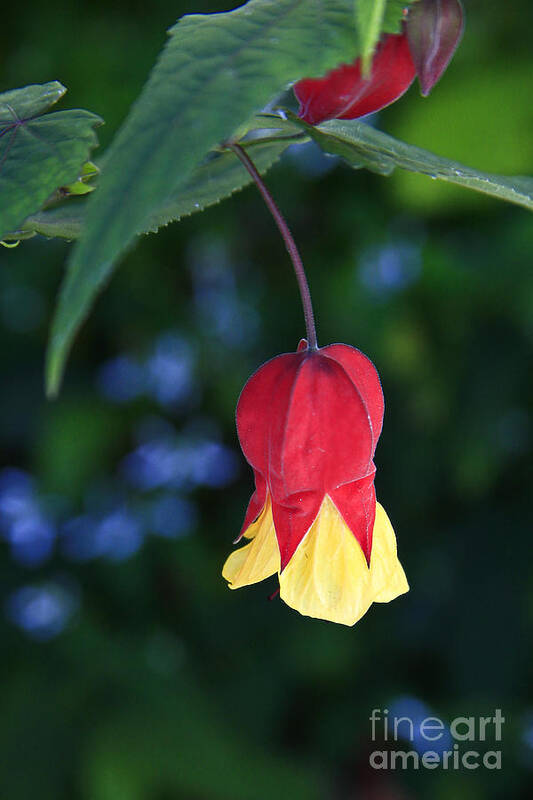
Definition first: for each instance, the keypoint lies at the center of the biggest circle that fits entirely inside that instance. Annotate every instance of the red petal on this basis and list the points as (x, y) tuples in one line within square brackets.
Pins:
[(344, 94), (357, 503), (265, 397), (434, 29), (365, 376)]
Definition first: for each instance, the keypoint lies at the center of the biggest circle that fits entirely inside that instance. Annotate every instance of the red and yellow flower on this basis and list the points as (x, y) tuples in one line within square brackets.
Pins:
[(308, 423)]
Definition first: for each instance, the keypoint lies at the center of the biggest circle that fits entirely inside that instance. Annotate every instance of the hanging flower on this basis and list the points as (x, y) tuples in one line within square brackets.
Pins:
[(308, 423), (431, 33)]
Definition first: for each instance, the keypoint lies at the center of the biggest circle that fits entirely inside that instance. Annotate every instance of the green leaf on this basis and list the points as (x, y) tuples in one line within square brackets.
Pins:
[(62, 222), (215, 72), (369, 16), (82, 185), (363, 146), (373, 18), (220, 176), (38, 152), (394, 15)]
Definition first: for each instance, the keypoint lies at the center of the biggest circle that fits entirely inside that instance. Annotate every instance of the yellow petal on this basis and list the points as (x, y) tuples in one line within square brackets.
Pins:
[(328, 577), (387, 575), (260, 558)]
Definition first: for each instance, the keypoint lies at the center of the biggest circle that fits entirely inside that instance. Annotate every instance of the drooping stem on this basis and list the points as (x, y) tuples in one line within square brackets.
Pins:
[(290, 244)]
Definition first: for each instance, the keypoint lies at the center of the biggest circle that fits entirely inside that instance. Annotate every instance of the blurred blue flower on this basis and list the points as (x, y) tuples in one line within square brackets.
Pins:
[(116, 536), (121, 380), (170, 370), (166, 375), (152, 465), (415, 711), (172, 516), (120, 535), (41, 611), (30, 534), (386, 269), (16, 495), (212, 464), (180, 464), (233, 323), (31, 540)]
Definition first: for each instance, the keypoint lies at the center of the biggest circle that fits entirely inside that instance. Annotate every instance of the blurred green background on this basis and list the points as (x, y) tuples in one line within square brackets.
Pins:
[(129, 671)]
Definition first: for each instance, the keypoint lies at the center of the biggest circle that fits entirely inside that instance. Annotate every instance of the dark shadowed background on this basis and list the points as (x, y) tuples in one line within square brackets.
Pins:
[(128, 670)]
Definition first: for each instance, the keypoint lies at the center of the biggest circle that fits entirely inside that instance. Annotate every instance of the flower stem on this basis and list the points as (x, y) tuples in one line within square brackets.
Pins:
[(290, 244)]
